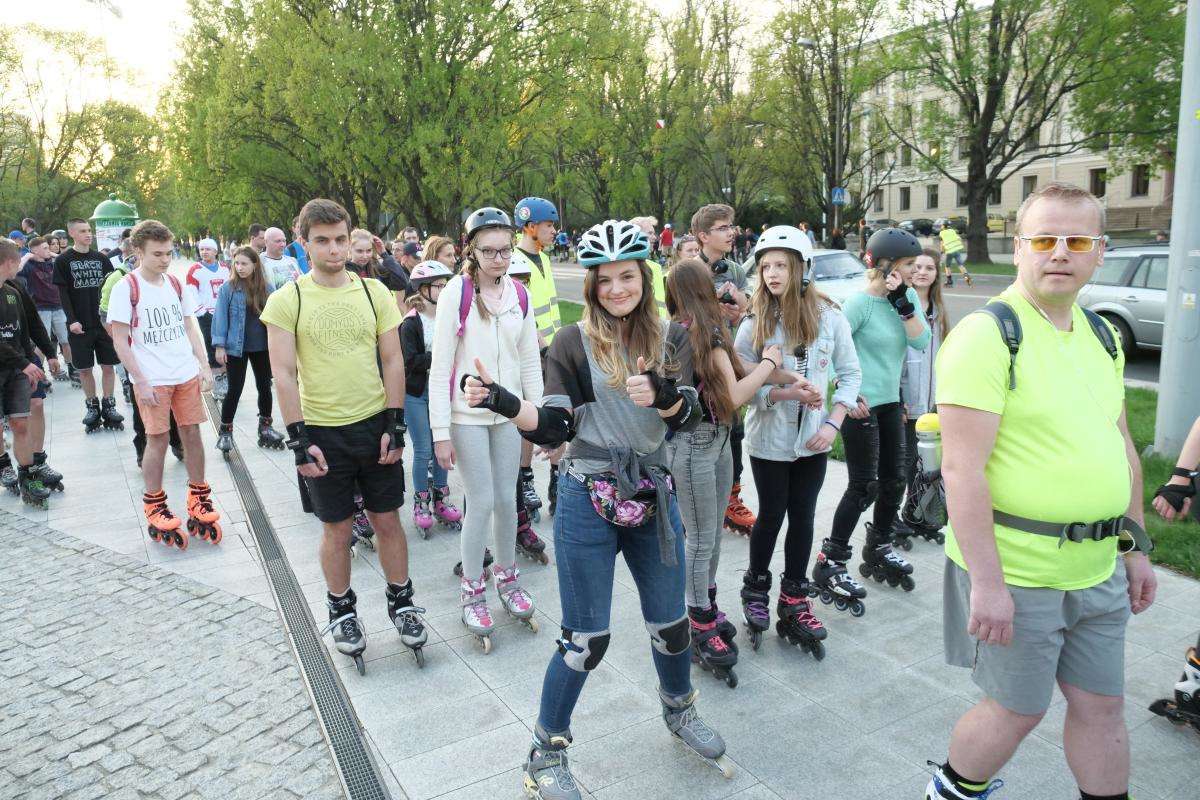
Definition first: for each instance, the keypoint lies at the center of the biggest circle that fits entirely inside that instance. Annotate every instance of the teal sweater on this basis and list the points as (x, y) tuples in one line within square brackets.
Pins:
[(882, 343)]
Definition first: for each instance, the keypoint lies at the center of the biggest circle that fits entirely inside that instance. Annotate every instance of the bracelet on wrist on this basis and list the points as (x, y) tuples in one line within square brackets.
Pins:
[(833, 425), (768, 358)]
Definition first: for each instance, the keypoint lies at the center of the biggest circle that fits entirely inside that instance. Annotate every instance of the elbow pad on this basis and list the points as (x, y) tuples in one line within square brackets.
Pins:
[(689, 414), (555, 426)]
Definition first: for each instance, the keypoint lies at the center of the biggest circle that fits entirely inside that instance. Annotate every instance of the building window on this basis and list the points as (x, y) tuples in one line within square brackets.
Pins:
[(931, 196), (877, 161), (960, 195), (905, 198), (1033, 139), (994, 195), (905, 156), (877, 205), (1028, 185), (964, 147), (1140, 182), (1098, 181)]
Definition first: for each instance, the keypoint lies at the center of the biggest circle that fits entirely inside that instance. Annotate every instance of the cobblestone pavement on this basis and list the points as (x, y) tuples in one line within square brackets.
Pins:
[(123, 681)]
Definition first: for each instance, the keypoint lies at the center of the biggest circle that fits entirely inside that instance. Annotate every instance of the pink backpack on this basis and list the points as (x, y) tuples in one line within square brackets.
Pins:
[(464, 310)]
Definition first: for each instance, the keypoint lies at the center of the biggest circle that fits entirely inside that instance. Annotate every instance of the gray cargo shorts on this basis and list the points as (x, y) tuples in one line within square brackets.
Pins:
[(1075, 636)]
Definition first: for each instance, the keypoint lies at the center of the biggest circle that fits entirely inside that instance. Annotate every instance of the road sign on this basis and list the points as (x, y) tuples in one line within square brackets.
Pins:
[(839, 196)]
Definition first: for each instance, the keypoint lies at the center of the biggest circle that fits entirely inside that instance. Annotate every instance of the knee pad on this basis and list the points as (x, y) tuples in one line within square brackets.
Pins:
[(891, 491), (582, 651), (670, 638), (863, 493)]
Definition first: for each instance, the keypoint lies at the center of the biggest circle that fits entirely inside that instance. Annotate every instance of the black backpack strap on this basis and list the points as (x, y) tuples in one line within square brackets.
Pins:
[(1103, 333), (1010, 330), (296, 327)]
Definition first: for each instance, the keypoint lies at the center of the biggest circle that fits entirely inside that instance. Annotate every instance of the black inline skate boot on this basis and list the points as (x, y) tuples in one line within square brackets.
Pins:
[(50, 478), (91, 419), (726, 628), (881, 562), (268, 437), (796, 621), (407, 619), (109, 417), (8, 474), (1185, 708), (547, 775), (756, 608), (348, 635), (33, 493), (225, 439), (528, 542), (529, 493), (833, 584), (552, 491), (709, 649), (487, 562)]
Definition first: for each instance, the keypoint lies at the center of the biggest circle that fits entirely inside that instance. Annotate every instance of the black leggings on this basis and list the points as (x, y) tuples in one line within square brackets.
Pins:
[(786, 488), (875, 460), (236, 367)]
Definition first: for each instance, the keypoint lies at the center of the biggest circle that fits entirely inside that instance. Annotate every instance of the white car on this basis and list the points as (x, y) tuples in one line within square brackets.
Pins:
[(837, 273)]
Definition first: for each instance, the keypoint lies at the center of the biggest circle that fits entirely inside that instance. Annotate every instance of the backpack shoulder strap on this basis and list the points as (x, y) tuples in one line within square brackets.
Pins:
[(370, 302), (175, 285), (1010, 330), (296, 326), (1103, 333), (464, 303), (522, 298)]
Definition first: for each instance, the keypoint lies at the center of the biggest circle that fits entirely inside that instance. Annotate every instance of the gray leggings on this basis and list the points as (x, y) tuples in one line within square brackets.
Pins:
[(488, 457), (702, 466)]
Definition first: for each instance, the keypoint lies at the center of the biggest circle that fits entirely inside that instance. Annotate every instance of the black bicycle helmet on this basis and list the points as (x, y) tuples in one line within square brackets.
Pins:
[(487, 217), (889, 244)]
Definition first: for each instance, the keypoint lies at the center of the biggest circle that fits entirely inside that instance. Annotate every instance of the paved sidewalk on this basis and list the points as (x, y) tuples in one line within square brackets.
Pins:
[(860, 724), (124, 681)]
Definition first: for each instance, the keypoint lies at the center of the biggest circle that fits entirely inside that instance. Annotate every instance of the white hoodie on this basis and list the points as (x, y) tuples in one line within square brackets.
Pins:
[(506, 343)]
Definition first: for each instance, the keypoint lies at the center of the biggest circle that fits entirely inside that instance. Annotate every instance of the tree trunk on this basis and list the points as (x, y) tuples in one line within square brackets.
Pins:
[(977, 227)]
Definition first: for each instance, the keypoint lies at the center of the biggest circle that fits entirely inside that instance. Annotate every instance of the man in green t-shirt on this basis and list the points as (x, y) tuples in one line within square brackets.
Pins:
[(1044, 488), (339, 374)]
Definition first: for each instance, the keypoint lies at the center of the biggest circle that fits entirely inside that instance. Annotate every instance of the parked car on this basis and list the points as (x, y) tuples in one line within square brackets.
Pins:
[(996, 223), (1130, 291), (921, 226), (837, 273), (957, 223)]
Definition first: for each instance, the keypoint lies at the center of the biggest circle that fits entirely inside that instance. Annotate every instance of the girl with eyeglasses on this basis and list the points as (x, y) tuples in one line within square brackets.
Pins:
[(484, 318)]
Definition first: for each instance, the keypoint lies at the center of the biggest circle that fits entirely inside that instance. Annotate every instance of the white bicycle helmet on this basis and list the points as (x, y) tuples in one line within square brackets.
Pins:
[(784, 237), (428, 272), (519, 268), (612, 240)]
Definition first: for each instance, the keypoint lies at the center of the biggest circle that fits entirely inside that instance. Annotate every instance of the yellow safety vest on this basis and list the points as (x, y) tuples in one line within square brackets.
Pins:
[(542, 295), (951, 241), (660, 288)]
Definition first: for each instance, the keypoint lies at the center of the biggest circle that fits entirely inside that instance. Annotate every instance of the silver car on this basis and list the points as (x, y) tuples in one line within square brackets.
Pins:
[(1130, 291), (837, 273)]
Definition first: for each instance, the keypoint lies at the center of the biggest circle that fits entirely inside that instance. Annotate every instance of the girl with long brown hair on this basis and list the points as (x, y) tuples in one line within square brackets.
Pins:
[(702, 460), (789, 429), (240, 340)]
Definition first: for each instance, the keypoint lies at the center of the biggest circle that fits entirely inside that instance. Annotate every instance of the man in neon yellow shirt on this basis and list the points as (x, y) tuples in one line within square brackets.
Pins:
[(656, 271), (954, 253), (1037, 600)]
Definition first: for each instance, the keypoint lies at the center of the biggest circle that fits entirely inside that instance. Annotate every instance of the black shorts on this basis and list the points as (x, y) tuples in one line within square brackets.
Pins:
[(352, 453), (92, 346), (14, 394)]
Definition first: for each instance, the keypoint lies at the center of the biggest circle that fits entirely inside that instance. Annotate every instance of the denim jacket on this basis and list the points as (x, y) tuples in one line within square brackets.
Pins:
[(229, 318), (773, 430), (917, 382)]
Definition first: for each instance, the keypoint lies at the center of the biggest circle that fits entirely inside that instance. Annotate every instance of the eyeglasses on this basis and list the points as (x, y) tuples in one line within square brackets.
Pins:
[(721, 229), (1075, 243), (490, 253)]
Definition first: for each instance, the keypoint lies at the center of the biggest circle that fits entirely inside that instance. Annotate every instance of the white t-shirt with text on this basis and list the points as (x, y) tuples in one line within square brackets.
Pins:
[(204, 282), (280, 270), (159, 339)]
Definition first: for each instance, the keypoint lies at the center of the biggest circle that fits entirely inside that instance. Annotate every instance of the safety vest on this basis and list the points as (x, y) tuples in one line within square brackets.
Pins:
[(951, 241), (660, 288), (543, 295)]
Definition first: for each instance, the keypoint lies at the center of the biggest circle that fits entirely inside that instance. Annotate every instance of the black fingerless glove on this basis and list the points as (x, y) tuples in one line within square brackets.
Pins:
[(396, 428), (499, 400), (666, 394), (898, 297), (298, 443), (1175, 494)]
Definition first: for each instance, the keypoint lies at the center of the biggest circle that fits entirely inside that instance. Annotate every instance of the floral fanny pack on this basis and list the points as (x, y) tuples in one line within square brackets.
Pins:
[(631, 513)]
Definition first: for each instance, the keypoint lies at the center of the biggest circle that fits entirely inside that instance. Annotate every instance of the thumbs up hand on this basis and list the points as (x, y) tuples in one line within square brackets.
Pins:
[(651, 390), (480, 391)]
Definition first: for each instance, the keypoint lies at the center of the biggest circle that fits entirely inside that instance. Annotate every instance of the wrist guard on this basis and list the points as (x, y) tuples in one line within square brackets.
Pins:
[(1175, 494), (298, 443), (499, 400), (898, 297), (666, 394), (396, 428)]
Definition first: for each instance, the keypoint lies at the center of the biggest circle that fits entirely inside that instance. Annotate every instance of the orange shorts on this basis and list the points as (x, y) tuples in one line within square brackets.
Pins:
[(181, 399)]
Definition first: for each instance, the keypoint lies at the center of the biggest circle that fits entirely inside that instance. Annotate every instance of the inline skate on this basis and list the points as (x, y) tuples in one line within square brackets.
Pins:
[(348, 635), (161, 523), (881, 562), (202, 516), (445, 512), (92, 418), (422, 517), (796, 622), (1185, 708), (528, 543), (33, 493), (756, 609), (833, 584), (268, 437), (62, 375), (679, 713), (8, 474), (529, 494), (903, 533), (709, 649), (361, 531), (407, 619), (73, 377), (726, 628), (220, 386), (547, 775), (225, 439), (50, 478), (514, 597), (738, 518), (109, 416), (942, 788), (476, 617)]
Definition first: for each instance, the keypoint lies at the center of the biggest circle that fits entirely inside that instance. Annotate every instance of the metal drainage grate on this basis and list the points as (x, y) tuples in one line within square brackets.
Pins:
[(357, 769)]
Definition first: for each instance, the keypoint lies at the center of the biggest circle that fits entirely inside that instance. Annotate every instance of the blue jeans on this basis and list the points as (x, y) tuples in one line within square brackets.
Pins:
[(416, 414), (585, 548)]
